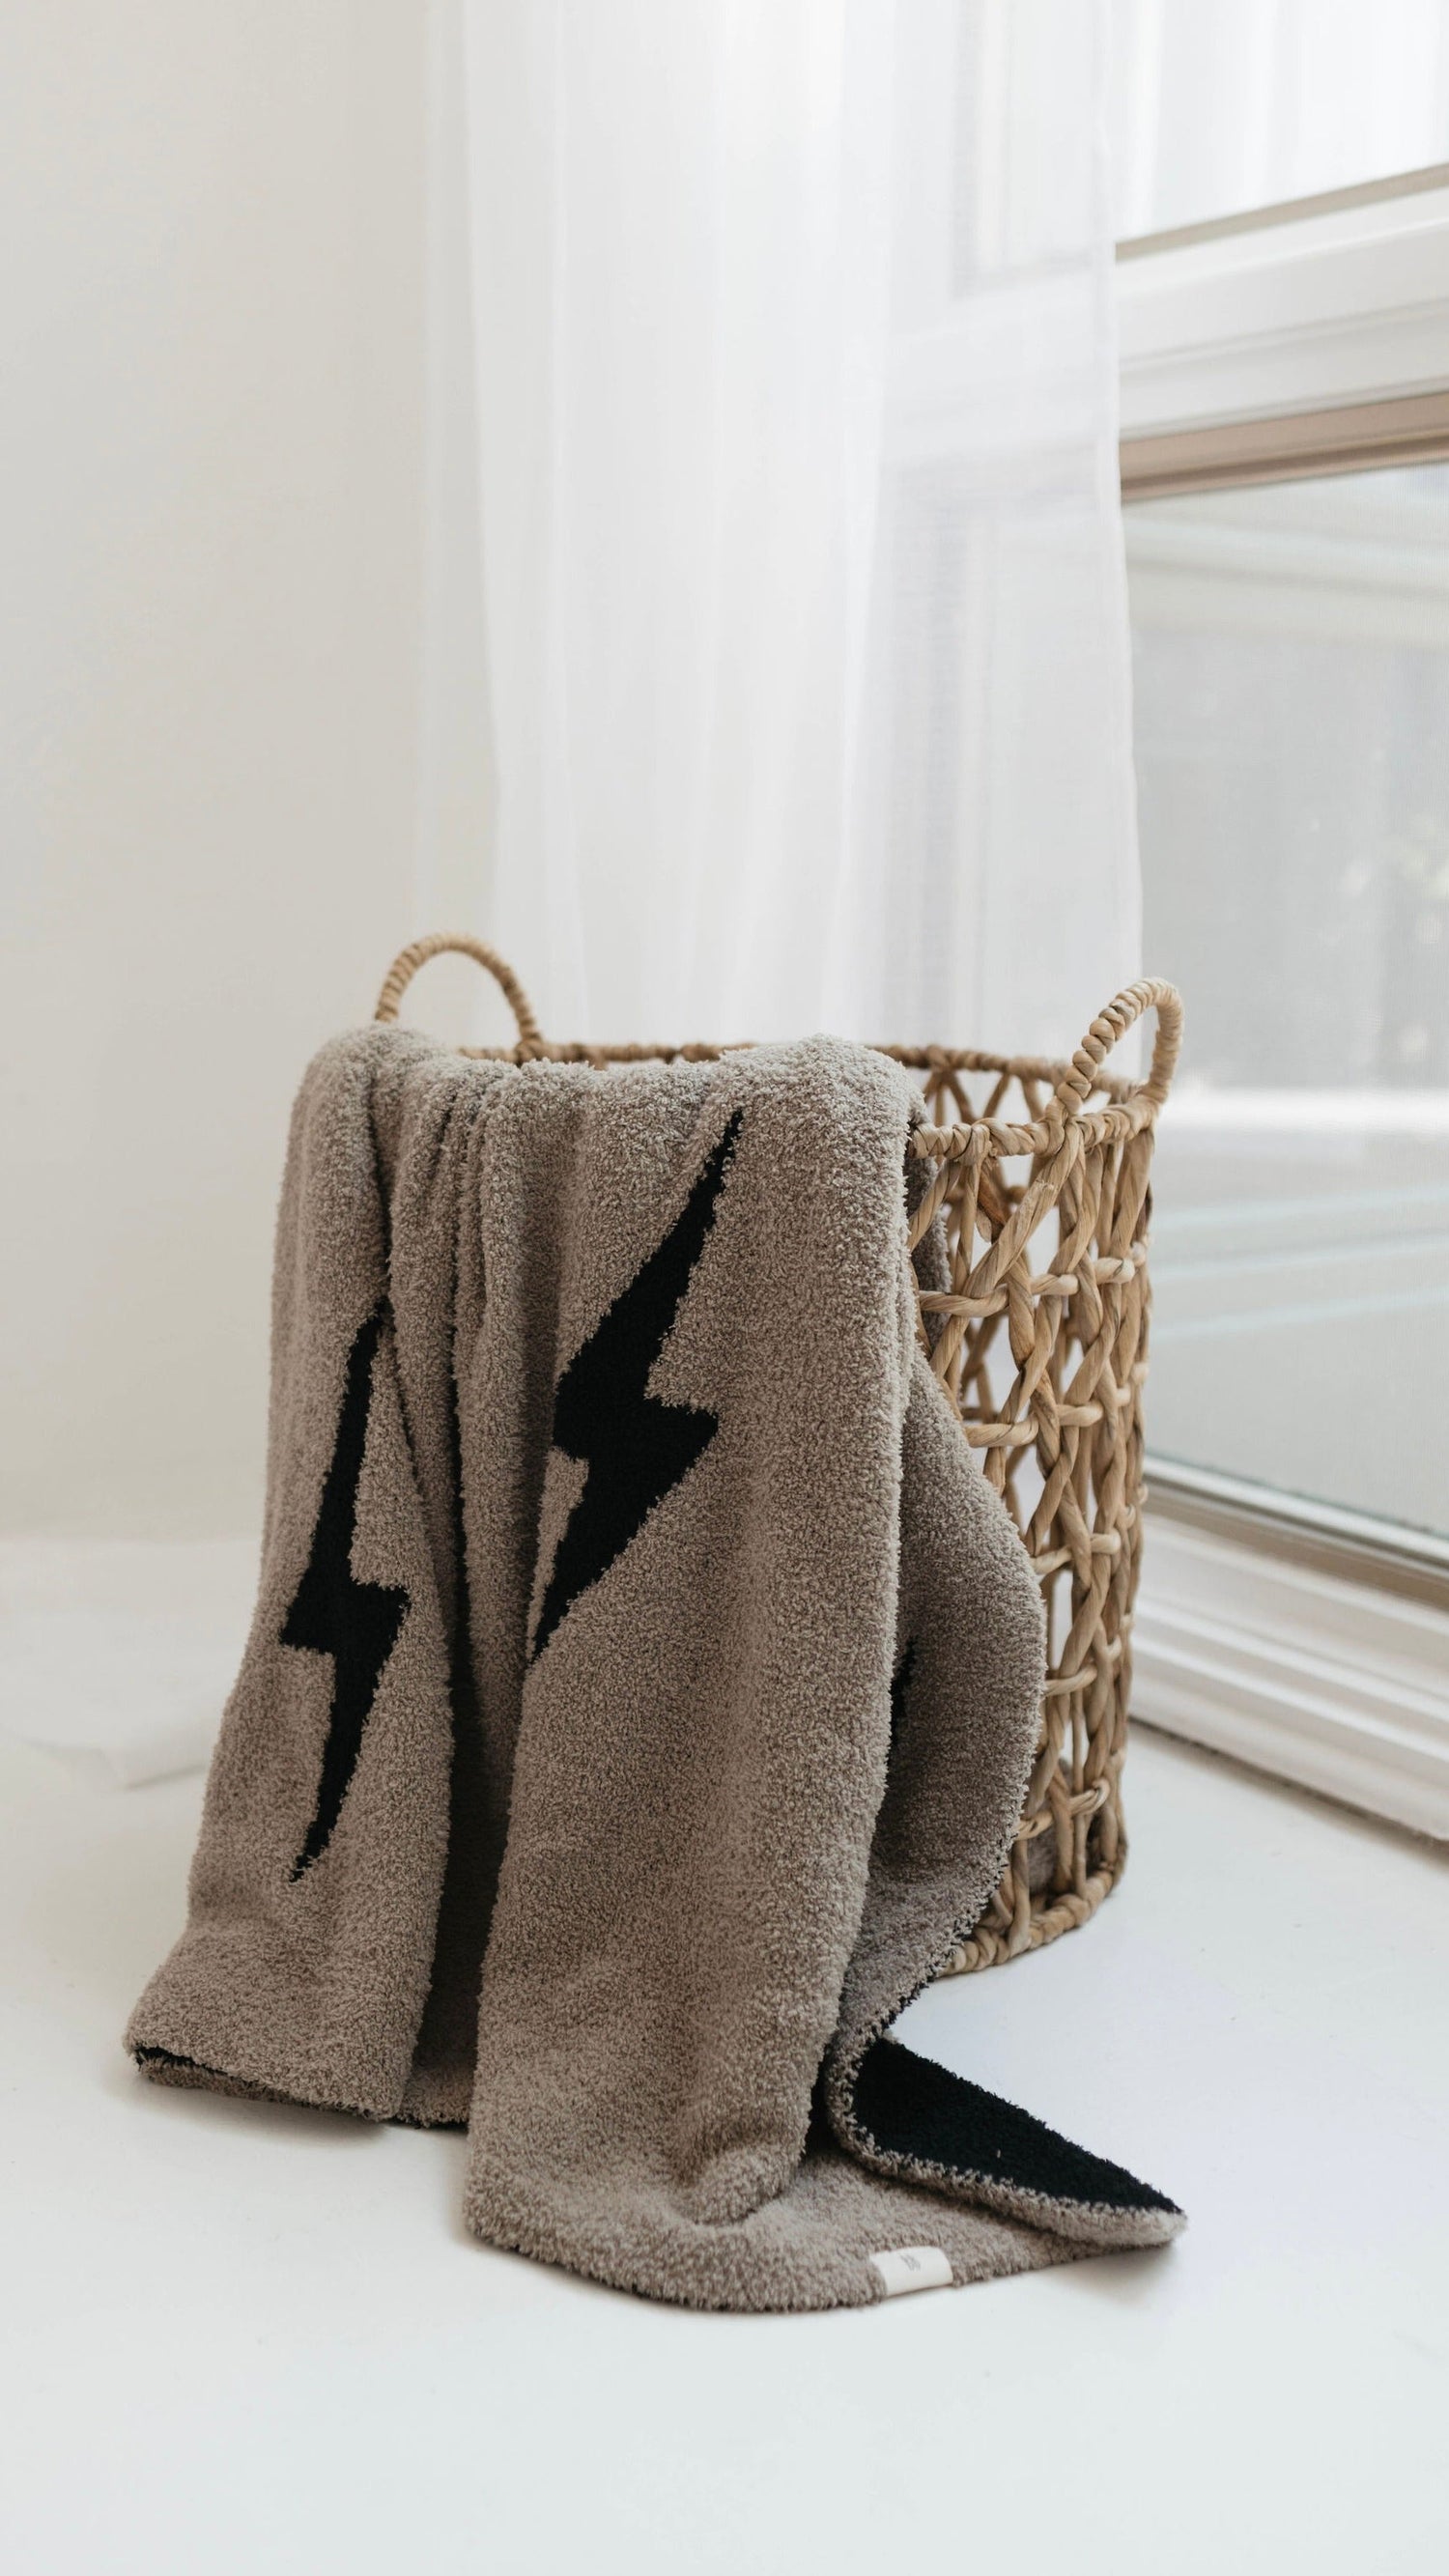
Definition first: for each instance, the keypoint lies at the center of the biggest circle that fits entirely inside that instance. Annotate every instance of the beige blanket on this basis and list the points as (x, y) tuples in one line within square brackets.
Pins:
[(642, 1685)]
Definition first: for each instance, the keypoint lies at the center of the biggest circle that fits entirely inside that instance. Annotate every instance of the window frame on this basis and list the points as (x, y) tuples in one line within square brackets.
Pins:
[(1304, 339), (1271, 349)]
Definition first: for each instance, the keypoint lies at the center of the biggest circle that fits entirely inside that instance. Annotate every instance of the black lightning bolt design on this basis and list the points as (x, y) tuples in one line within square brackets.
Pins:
[(636, 1448), (333, 1614), (904, 1674)]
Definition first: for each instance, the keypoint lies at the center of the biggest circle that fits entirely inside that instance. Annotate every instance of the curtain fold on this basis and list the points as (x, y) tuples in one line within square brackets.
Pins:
[(801, 571)]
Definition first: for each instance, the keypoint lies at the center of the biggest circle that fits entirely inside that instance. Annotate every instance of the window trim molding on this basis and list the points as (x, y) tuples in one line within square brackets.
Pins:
[(1319, 1538), (1296, 1659), (1338, 312), (1354, 438), (1286, 210)]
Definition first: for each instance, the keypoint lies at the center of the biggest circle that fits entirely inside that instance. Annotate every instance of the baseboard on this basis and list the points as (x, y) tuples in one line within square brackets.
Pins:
[(1341, 1686)]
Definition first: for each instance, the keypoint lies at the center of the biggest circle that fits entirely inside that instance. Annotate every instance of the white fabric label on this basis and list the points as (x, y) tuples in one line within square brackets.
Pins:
[(912, 2267)]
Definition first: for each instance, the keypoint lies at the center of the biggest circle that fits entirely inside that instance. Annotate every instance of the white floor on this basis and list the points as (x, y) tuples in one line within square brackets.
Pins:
[(240, 2338)]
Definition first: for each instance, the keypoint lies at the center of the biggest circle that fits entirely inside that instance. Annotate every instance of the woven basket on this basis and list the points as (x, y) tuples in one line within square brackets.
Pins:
[(1041, 1345)]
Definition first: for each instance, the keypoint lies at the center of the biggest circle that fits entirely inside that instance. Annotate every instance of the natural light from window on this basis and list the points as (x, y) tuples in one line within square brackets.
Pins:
[(1220, 106), (1291, 655)]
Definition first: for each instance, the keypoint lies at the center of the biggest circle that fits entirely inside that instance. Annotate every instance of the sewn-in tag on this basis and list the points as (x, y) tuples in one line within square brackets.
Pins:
[(912, 2267)]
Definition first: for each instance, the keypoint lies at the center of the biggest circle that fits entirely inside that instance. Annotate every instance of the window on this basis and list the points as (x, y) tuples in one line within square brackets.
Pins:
[(1291, 666), (1241, 104), (1285, 465)]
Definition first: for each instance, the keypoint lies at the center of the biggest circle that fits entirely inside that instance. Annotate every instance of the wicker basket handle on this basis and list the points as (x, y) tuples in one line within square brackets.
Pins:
[(1113, 1023), (405, 966)]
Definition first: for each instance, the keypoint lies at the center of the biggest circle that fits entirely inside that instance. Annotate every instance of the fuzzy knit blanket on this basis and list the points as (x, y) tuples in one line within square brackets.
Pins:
[(642, 1685)]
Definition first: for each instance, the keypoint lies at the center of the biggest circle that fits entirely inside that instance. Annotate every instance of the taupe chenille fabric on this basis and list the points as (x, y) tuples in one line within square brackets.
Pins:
[(642, 1685)]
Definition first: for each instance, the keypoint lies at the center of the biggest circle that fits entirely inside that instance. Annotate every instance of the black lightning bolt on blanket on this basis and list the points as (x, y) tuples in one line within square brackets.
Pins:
[(356, 1624)]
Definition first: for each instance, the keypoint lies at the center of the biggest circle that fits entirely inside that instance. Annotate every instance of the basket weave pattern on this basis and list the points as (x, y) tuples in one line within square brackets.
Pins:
[(1040, 1174)]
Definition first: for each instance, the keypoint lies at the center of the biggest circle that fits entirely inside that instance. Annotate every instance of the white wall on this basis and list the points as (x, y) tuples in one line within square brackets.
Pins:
[(212, 318)]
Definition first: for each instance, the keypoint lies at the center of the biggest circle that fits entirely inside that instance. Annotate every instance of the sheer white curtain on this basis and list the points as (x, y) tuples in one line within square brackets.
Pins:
[(803, 622)]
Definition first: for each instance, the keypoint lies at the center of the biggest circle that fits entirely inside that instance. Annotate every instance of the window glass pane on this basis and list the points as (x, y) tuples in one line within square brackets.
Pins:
[(1291, 659), (1223, 105)]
